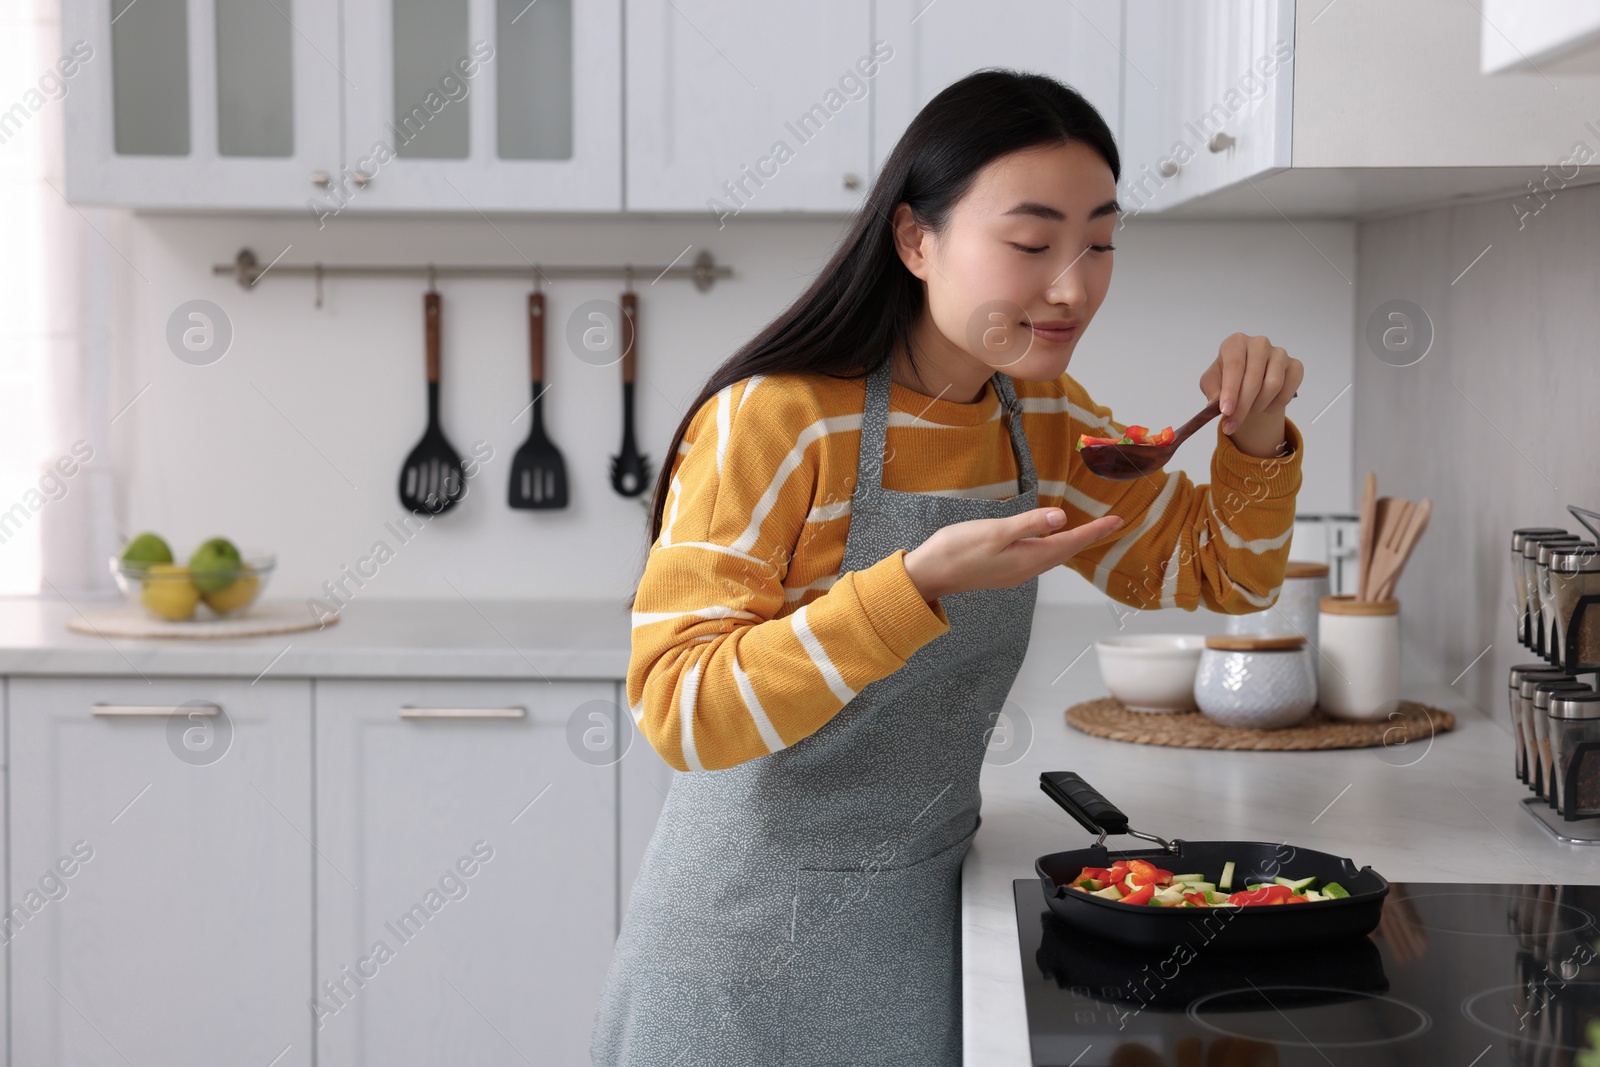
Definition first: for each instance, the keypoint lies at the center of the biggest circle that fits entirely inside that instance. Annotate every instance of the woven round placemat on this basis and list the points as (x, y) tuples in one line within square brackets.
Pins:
[(262, 619), (1107, 717)]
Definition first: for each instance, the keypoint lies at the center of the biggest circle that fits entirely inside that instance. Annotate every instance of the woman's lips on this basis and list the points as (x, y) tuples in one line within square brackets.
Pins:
[(1053, 334)]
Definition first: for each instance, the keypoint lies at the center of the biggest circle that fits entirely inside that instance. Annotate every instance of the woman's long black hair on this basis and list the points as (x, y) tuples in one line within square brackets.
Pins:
[(865, 302)]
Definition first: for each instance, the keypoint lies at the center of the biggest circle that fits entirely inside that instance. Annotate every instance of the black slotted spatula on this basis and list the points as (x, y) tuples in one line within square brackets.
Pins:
[(630, 472), (538, 473), (431, 478)]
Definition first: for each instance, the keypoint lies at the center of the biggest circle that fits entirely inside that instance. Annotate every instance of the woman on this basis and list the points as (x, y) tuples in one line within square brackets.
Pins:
[(842, 577)]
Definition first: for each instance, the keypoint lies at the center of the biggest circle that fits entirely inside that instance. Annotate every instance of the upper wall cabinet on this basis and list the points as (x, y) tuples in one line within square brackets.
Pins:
[(215, 103), (1344, 109), (734, 106), (1208, 88), (486, 105), (935, 44)]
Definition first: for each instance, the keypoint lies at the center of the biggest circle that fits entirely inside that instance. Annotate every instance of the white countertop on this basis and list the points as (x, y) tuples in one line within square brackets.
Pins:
[(1445, 812), (372, 639)]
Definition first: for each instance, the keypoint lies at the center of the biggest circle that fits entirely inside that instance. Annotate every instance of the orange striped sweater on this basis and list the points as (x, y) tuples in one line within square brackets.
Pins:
[(746, 638)]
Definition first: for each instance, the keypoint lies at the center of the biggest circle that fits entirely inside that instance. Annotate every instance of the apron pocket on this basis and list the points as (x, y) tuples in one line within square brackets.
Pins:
[(875, 976)]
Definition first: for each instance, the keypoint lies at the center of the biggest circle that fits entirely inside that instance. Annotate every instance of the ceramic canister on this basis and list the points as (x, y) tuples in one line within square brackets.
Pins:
[(1260, 682), (1359, 675), (1295, 611)]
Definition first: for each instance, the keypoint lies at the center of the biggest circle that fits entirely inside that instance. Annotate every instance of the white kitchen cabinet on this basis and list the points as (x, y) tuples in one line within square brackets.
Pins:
[(182, 933), (1561, 36), (1384, 108), (200, 103), (736, 107), (936, 44), (482, 105), (1208, 98), (467, 889)]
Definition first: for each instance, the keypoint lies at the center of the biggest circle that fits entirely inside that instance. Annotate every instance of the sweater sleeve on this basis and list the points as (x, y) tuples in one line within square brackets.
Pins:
[(723, 668), (1224, 544)]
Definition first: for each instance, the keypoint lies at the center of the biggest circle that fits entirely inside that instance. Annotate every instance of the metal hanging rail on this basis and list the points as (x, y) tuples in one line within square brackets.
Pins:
[(247, 271)]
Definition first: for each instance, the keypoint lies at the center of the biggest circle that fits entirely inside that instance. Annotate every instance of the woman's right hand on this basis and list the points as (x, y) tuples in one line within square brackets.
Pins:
[(999, 553)]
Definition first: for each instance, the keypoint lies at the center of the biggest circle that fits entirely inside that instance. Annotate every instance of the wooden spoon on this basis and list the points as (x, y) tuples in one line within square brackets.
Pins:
[(1123, 463), (1388, 524), (1369, 518), (1413, 532)]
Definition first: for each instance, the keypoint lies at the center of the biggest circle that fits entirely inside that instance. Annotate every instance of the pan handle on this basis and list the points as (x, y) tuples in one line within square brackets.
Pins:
[(1084, 803)]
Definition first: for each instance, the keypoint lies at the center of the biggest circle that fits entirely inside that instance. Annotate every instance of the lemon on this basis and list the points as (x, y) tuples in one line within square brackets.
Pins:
[(235, 596), (168, 591)]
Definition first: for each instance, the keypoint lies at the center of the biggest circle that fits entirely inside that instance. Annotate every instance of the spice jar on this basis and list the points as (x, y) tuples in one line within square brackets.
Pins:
[(1575, 739), (1542, 755), (1519, 584), (1530, 584), (1574, 573), (1295, 611), (1546, 617), (1358, 673), (1540, 672), (1255, 681), (1530, 682)]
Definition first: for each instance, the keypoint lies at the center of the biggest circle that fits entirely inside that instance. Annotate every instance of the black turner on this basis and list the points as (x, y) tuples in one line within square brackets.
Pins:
[(431, 478), (630, 472), (538, 473)]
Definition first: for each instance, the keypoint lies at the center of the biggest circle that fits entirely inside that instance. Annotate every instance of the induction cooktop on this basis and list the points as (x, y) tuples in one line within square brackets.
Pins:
[(1456, 975)]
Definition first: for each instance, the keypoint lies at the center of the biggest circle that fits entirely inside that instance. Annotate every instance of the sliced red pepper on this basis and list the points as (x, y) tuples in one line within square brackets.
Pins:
[(1149, 872), (1085, 440), (1267, 894), (1163, 438), (1141, 895), (1198, 899), (1099, 874), (1136, 432)]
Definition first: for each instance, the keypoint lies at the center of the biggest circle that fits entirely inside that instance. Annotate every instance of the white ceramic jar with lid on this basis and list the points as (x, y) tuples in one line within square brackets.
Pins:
[(1358, 677), (1295, 611), (1258, 682)]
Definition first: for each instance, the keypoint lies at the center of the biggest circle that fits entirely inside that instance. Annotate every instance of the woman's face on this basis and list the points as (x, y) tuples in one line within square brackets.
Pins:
[(1024, 261)]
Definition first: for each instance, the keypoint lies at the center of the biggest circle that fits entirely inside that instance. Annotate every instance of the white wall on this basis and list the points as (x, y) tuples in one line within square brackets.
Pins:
[(294, 440)]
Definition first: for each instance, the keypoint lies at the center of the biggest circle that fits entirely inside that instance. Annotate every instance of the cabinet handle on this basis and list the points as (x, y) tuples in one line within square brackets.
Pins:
[(154, 709), (1169, 168), (320, 179), (1220, 142), (852, 181), (463, 713), (361, 179)]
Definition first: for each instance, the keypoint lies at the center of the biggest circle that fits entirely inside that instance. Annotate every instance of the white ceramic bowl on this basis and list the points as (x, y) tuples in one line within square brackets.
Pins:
[(1151, 672)]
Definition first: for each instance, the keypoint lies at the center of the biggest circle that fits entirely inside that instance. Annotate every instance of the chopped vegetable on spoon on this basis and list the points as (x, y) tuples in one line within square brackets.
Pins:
[(1134, 435)]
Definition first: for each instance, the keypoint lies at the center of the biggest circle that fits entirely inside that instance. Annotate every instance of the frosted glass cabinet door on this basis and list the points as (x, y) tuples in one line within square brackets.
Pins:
[(472, 910), (483, 105), (163, 860), (201, 103), (755, 107), (938, 43)]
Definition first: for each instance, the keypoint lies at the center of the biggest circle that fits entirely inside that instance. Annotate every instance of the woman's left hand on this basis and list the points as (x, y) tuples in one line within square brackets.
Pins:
[(1254, 380)]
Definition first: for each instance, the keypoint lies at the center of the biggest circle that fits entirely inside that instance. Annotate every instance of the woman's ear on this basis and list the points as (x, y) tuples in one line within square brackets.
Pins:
[(911, 242)]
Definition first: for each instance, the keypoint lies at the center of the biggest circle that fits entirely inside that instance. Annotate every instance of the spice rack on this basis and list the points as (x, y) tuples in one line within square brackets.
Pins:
[(1555, 705)]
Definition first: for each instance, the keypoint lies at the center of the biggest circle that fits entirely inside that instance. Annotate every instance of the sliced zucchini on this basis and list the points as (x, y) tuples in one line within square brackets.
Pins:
[(1110, 892), (1335, 891), (1299, 885), (1226, 881), (1188, 878)]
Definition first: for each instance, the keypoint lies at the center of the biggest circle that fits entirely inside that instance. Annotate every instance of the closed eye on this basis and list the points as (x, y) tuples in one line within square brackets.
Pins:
[(1030, 251), (1102, 248)]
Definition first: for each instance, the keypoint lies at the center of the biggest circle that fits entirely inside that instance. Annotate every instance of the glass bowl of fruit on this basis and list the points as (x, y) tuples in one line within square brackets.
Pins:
[(218, 577)]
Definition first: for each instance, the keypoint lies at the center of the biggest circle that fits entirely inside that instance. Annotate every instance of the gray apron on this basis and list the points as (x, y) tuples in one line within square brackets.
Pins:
[(805, 907)]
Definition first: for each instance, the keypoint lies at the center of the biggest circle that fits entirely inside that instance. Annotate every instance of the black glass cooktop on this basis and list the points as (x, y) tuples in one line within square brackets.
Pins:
[(1456, 975)]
